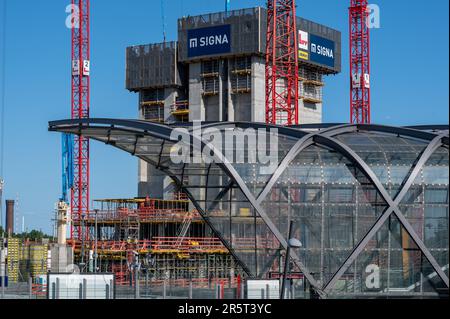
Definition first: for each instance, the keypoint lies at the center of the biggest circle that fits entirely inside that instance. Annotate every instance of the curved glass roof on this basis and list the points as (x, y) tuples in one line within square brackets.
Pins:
[(358, 194)]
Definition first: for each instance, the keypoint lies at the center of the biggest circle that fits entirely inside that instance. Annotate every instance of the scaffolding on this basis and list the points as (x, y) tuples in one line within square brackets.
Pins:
[(311, 84), (180, 110), (241, 75), (210, 77), (165, 238), (152, 105)]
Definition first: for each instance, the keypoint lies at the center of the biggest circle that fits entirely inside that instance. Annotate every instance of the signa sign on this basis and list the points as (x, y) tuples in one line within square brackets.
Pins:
[(209, 41), (316, 49), (322, 50)]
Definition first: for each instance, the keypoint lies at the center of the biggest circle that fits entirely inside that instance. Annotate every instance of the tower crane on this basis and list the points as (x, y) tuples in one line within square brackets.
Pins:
[(80, 109), (282, 63), (359, 62)]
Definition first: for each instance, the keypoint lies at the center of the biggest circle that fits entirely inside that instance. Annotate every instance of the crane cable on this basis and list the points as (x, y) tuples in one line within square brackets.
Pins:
[(163, 20), (2, 109)]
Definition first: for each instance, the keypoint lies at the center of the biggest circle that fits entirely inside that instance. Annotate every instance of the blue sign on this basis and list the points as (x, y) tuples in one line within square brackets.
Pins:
[(209, 41), (322, 50)]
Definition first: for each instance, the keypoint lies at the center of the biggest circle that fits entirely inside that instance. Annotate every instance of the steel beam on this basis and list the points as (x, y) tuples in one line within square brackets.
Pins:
[(393, 205), (302, 144), (228, 168)]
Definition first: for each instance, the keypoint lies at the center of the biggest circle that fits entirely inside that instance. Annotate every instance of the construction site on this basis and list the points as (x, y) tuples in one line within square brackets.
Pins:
[(363, 201)]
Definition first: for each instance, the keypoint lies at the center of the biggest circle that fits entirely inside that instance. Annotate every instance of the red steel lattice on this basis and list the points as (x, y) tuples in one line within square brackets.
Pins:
[(282, 63), (80, 109), (359, 62)]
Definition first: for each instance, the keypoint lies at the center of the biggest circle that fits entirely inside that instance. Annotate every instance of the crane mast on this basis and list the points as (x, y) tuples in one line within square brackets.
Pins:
[(282, 63), (359, 62), (80, 110)]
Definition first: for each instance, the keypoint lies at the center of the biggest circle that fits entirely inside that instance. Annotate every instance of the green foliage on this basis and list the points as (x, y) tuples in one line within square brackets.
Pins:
[(33, 235)]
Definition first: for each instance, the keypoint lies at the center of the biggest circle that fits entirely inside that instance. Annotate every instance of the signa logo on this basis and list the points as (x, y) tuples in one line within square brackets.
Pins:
[(209, 41), (321, 50)]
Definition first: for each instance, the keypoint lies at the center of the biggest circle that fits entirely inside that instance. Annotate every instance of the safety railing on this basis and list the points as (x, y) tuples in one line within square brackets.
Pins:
[(188, 245), (141, 214), (156, 245), (180, 108)]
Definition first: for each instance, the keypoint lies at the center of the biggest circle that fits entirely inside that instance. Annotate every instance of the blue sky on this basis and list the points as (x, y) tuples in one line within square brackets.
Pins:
[(410, 79)]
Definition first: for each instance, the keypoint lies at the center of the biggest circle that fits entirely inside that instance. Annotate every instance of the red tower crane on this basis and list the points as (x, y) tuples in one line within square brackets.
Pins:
[(80, 109), (359, 62), (282, 63)]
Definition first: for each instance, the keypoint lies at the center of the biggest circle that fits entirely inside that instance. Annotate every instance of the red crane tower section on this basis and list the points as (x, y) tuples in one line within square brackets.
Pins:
[(359, 62), (282, 63), (80, 109)]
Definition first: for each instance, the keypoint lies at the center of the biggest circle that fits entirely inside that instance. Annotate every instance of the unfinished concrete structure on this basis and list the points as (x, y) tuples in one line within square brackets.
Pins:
[(216, 72)]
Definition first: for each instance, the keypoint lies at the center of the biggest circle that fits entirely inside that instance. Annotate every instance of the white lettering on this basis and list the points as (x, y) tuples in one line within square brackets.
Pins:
[(209, 41), (225, 39), (73, 19), (373, 279), (327, 52), (193, 43), (374, 18), (187, 309), (231, 146)]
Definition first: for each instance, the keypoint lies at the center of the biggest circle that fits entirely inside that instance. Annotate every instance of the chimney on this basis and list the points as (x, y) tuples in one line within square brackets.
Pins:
[(10, 217)]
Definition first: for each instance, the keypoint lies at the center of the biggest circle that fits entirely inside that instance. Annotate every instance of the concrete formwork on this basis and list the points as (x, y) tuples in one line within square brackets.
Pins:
[(219, 87)]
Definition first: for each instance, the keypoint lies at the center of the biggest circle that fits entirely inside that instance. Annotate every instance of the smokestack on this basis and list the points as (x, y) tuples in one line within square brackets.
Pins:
[(10, 217)]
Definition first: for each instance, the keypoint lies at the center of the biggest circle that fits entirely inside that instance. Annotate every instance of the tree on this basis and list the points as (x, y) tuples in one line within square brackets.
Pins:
[(34, 235)]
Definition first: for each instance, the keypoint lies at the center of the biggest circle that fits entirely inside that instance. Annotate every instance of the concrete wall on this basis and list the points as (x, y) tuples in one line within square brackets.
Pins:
[(61, 258), (248, 107), (213, 108), (258, 89), (196, 105), (150, 180), (309, 113)]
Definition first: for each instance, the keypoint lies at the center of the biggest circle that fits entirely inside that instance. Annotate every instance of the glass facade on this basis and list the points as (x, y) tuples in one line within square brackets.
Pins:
[(370, 204)]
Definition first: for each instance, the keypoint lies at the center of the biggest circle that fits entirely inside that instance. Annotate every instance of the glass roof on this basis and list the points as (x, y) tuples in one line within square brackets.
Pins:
[(335, 188)]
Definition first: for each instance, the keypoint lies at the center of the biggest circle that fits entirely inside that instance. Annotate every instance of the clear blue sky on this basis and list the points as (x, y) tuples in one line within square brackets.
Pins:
[(410, 63)]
